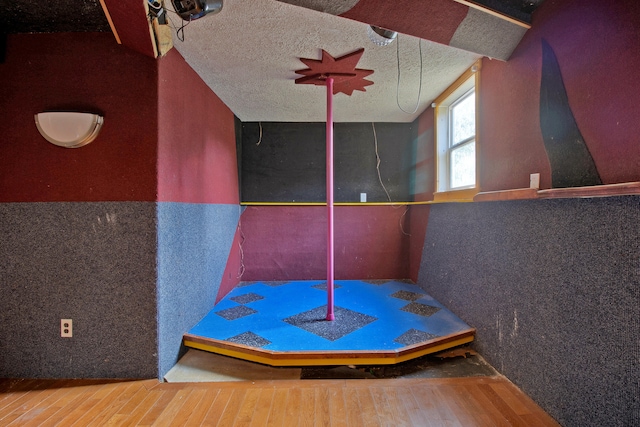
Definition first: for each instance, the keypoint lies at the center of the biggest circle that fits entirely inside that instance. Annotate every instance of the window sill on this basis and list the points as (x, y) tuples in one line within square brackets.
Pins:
[(622, 189), (466, 195)]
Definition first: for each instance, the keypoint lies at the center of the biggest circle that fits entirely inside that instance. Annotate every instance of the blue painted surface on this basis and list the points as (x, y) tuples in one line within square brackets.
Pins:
[(194, 241), (281, 302)]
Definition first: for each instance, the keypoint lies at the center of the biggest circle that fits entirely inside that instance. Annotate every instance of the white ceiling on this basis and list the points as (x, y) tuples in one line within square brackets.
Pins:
[(249, 51)]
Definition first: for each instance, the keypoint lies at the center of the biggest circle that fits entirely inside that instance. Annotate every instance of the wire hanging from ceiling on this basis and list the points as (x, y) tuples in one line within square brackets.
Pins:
[(260, 139), (375, 141), (179, 30), (398, 84), (241, 268)]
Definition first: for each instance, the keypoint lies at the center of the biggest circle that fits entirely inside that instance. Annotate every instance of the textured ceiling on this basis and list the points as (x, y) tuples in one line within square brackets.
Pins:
[(248, 53)]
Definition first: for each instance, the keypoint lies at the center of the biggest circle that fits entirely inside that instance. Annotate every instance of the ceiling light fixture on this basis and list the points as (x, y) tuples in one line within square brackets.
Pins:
[(194, 9), (381, 36)]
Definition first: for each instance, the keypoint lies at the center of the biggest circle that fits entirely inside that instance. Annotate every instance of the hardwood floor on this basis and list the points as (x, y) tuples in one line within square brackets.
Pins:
[(472, 401)]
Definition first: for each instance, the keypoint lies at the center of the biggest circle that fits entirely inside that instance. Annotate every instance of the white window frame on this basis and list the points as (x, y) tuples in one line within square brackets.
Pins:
[(461, 88)]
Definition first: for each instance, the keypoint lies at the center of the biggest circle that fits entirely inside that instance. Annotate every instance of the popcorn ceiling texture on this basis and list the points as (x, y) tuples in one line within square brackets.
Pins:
[(248, 54)]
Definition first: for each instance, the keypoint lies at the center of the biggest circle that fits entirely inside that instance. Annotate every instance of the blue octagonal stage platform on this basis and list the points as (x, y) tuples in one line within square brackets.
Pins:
[(283, 324)]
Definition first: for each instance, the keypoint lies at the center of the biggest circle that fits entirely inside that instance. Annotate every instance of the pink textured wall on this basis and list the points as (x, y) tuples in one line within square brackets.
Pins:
[(234, 269), (596, 46), (197, 146), (130, 20), (77, 72), (289, 243), (418, 218), (435, 20)]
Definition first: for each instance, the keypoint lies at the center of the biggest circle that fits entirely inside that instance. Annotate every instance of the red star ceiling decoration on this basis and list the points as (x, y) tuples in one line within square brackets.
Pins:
[(346, 77)]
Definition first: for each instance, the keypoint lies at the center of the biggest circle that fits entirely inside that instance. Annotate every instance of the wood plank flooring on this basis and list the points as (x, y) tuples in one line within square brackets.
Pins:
[(471, 401)]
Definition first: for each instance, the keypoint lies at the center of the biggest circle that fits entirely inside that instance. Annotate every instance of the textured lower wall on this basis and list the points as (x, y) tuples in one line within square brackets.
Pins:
[(94, 263), (553, 288), (194, 241)]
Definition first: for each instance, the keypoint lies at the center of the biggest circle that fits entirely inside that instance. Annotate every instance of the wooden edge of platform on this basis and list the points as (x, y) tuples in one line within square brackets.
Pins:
[(328, 358)]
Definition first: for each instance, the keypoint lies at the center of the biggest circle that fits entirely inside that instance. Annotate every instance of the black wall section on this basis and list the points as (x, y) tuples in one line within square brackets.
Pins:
[(289, 163), (553, 287), (570, 159), (237, 124)]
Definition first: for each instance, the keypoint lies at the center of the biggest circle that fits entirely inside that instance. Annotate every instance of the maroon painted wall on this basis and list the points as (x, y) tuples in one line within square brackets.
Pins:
[(129, 18), (79, 72), (418, 219), (234, 269), (197, 143), (418, 215), (435, 20), (596, 46), (289, 242)]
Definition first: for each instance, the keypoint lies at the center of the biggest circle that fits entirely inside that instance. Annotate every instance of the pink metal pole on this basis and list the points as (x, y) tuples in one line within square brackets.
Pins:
[(330, 249)]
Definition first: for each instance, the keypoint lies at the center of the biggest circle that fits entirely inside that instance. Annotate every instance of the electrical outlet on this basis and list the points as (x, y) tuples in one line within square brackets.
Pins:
[(363, 197), (66, 328), (534, 180)]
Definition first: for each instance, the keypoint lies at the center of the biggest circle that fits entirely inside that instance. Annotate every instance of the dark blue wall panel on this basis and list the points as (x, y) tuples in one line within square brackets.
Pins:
[(94, 263), (194, 241), (553, 288)]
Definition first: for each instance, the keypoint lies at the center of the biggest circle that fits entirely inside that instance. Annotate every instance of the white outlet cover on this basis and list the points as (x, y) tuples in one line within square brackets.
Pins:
[(534, 180), (66, 328)]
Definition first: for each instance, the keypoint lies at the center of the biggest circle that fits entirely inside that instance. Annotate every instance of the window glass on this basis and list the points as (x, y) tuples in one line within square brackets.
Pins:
[(456, 137), (463, 118), (463, 165)]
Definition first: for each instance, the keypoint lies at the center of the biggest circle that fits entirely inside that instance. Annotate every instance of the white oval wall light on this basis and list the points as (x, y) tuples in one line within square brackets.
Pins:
[(69, 129)]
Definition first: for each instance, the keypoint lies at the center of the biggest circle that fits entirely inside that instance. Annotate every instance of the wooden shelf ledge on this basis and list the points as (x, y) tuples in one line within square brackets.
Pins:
[(622, 189), (515, 194), (608, 190)]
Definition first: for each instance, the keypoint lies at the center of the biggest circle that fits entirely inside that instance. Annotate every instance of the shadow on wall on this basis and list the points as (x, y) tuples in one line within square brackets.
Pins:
[(569, 156)]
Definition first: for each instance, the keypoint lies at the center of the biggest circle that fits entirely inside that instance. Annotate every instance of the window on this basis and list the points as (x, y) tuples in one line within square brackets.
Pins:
[(455, 133)]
